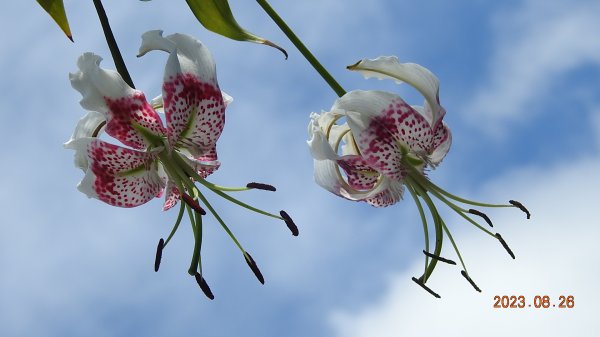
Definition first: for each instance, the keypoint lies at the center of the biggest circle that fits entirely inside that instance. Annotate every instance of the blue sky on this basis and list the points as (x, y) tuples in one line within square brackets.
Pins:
[(519, 79)]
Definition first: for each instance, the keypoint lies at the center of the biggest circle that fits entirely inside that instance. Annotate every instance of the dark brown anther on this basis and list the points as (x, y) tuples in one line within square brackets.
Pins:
[(204, 286), (520, 206), (483, 215), (419, 282), (499, 237), (260, 186), (464, 273), (193, 204), (290, 223), (439, 258), (254, 267), (159, 250)]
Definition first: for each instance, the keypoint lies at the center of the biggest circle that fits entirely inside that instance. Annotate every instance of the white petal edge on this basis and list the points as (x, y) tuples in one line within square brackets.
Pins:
[(88, 127), (95, 83), (86, 185), (188, 55), (318, 143), (419, 77)]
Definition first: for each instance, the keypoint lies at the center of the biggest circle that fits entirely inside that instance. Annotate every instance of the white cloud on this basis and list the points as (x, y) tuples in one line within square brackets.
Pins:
[(556, 255), (535, 45)]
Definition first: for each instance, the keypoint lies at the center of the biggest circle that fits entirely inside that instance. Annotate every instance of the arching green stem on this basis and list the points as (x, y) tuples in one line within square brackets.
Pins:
[(112, 43), (337, 88)]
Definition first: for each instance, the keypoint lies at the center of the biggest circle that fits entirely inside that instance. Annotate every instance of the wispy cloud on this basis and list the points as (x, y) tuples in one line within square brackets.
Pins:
[(535, 44), (556, 255)]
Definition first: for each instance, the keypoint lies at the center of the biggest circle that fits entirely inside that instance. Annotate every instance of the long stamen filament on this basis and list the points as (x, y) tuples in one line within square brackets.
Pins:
[(197, 228), (177, 222), (462, 262), (430, 186), (221, 222), (423, 221), (216, 189), (411, 179), (439, 234)]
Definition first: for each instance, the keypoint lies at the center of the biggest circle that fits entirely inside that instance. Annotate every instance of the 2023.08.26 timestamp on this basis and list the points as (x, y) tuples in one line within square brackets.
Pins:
[(539, 302)]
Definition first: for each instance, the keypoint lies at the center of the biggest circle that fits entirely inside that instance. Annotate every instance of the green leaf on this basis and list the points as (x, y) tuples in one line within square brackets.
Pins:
[(216, 16), (56, 9)]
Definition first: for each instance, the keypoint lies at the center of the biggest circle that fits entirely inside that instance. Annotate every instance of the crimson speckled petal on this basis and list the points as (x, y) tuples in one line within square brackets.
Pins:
[(360, 175), (122, 177), (382, 125), (193, 103), (105, 91)]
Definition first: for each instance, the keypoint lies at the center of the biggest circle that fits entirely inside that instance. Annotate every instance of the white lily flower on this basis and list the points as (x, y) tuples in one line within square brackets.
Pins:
[(372, 144)]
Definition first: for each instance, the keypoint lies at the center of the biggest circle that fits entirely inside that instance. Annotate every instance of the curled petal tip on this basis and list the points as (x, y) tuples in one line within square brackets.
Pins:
[(159, 250), (261, 186), (508, 250), (520, 206), (419, 282), (466, 276), (254, 267), (290, 223), (271, 44), (204, 286)]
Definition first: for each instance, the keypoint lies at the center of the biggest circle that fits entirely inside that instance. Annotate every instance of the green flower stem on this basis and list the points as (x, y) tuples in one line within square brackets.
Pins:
[(216, 215), (423, 221), (197, 226), (337, 88), (112, 43), (176, 226)]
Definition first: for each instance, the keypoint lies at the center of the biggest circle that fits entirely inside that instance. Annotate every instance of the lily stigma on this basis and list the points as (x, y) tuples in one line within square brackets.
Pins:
[(159, 159), (372, 144)]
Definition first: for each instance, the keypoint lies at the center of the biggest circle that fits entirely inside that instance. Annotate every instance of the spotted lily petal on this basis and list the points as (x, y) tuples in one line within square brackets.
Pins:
[(385, 129), (193, 103), (126, 110), (120, 176), (388, 67)]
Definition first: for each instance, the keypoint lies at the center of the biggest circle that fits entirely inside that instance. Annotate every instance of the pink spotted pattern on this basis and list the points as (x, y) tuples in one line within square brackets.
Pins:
[(123, 112), (380, 142), (441, 135), (384, 199), (122, 176), (360, 175), (195, 112), (172, 196)]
